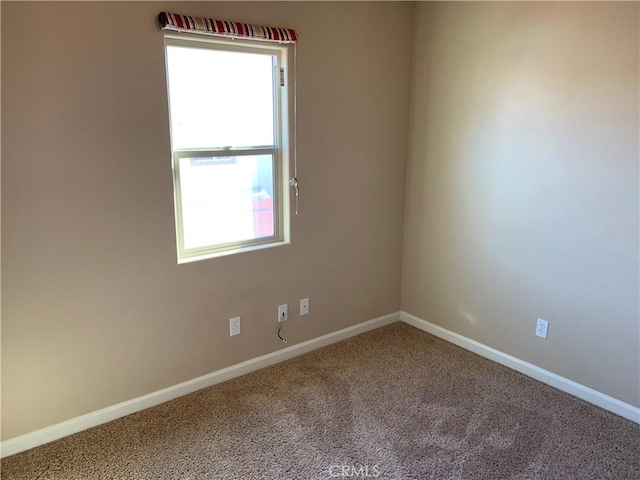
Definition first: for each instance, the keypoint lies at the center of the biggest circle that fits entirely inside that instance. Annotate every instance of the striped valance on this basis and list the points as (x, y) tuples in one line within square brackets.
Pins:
[(223, 28)]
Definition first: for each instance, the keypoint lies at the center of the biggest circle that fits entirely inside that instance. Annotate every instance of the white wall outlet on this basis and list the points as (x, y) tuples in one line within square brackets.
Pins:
[(282, 312), (234, 326), (304, 306), (541, 328)]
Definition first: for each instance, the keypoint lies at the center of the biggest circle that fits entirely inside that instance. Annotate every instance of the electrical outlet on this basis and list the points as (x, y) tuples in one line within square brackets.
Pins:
[(541, 328), (282, 312), (234, 326), (304, 306)]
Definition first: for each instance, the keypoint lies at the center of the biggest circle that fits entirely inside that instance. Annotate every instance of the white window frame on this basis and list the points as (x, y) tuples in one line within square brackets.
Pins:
[(281, 150)]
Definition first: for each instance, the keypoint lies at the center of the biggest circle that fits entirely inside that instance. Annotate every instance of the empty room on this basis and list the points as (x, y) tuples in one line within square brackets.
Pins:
[(316, 240)]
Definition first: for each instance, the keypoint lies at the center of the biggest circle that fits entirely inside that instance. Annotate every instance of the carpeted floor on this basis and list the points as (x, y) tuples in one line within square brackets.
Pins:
[(395, 403)]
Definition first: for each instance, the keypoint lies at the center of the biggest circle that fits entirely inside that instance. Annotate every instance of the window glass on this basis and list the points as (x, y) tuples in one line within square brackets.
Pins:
[(219, 98), (242, 186)]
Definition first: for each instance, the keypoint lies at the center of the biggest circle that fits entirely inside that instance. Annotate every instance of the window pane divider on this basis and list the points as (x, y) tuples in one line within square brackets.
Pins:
[(225, 152)]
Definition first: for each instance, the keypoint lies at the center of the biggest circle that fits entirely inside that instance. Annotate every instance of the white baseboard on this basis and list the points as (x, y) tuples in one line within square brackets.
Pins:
[(561, 383), (93, 419), (54, 432)]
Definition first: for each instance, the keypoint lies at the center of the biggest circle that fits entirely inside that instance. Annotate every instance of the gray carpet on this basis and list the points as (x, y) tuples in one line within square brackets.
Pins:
[(395, 403)]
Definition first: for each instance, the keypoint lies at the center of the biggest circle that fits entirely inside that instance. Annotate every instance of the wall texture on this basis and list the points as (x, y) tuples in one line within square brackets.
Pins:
[(95, 309), (522, 184), (521, 194)]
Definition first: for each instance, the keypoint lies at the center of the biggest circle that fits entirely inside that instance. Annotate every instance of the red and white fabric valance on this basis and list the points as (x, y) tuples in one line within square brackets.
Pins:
[(223, 28)]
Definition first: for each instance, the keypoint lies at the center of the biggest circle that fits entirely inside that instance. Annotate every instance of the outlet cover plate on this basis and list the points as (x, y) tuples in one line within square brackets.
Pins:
[(304, 306), (282, 312), (234, 326), (541, 328)]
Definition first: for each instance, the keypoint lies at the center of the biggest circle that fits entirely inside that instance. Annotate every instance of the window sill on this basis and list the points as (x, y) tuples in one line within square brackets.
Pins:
[(231, 251)]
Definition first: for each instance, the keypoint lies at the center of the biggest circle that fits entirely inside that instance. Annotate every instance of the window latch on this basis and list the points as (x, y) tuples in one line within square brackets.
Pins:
[(294, 183)]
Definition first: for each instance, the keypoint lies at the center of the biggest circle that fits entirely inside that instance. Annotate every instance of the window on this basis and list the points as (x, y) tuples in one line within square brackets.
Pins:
[(228, 106)]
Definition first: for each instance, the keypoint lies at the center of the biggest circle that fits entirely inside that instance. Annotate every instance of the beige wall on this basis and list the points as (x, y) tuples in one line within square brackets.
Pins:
[(95, 310), (522, 185), (521, 194)]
